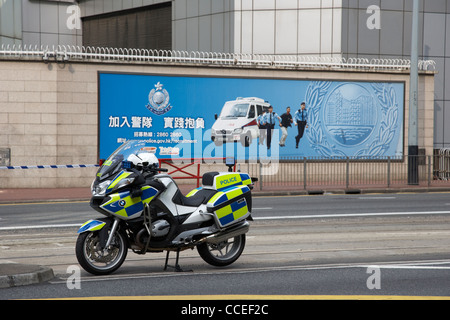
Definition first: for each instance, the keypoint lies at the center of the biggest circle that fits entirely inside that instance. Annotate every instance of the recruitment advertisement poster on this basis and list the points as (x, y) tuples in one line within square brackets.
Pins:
[(203, 117)]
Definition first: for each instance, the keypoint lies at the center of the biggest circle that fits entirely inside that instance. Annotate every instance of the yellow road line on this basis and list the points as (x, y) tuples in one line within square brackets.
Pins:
[(264, 297)]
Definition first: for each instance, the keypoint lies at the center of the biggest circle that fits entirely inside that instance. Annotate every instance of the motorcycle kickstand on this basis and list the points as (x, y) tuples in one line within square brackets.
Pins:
[(177, 267)]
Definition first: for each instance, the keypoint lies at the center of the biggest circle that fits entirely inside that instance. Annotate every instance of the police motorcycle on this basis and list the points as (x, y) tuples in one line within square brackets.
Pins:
[(146, 212)]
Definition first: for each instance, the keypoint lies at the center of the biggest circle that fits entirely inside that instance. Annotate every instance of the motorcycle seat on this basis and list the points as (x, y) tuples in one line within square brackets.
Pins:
[(201, 197)]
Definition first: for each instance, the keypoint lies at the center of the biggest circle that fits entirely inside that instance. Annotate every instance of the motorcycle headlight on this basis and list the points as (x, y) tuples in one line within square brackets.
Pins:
[(99, 190)]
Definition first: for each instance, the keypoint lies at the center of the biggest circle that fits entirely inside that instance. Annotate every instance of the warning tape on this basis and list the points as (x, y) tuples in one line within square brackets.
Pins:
[(71, 166)]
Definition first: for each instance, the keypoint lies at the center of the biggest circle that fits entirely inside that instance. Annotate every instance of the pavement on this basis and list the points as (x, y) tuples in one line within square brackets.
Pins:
[(14, 275)]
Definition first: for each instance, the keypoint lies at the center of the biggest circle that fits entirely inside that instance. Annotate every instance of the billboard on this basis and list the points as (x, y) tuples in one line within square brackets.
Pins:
[(202, 117)]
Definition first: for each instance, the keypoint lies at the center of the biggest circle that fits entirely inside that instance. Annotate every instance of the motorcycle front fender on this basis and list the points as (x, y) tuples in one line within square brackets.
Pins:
[(91, 225)]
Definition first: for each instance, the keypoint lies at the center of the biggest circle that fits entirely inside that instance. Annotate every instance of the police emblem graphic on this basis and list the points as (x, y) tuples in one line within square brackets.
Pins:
[(350, 114), (159, 100)]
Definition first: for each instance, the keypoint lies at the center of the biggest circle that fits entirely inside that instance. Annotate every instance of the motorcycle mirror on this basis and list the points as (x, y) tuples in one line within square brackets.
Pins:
[(136, 193), (230, 163), (139, 180)]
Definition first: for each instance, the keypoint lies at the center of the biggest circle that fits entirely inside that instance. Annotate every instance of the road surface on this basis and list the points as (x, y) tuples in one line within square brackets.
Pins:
[(301, 246)]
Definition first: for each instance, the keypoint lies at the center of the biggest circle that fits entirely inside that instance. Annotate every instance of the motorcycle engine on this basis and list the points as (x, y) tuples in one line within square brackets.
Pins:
[(160, 228)]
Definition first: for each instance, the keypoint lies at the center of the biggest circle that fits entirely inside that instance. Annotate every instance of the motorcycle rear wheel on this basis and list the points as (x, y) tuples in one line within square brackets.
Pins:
[(223, 253), (94, 260)]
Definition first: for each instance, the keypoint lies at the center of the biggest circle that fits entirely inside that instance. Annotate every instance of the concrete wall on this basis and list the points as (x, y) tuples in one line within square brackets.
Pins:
[(48, 112)]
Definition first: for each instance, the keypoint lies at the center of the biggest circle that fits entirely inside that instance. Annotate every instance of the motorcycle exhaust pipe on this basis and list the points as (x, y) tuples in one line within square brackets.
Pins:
[(229, 233)]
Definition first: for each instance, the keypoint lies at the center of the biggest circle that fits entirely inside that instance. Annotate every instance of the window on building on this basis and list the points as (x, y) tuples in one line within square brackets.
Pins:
[(147, 27)]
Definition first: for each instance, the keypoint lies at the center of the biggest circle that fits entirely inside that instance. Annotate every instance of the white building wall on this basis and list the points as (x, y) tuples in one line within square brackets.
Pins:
[(10, 22), (203, 25), (283, 27), (288, 27), (45, 23)]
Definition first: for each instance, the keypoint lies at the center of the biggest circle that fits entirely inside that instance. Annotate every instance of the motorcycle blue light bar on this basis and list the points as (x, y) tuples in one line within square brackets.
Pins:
[(127, 164)]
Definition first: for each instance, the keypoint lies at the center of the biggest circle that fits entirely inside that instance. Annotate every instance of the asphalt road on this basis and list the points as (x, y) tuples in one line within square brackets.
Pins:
[(328, 246), (327, 206)]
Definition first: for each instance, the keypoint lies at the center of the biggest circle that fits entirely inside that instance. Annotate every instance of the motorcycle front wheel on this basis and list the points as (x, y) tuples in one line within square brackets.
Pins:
[(94, 259), (223, 253)]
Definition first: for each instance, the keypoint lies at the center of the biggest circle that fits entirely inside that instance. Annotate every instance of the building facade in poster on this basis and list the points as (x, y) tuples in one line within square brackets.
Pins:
[(180, 116)]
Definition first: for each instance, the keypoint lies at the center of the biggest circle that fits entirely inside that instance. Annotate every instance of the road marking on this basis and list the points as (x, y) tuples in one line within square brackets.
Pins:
[(243, 271), (376, 198), (202, 273), (262, 297), (42, 203), (351, 215), (410, 267), (427, 265), (316, 216), (419, 265), (50, 226)]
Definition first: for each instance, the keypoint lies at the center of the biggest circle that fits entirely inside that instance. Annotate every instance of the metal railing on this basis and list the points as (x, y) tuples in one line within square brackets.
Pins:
[(63, 53), (348, 173)]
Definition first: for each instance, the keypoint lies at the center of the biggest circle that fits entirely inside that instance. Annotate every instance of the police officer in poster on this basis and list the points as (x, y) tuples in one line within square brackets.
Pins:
[(301, 121), (262, 128), (286, 120), (269, 121)]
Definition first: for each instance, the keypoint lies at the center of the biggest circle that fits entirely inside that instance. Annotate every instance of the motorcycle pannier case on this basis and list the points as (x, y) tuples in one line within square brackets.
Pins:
[(231, 204)]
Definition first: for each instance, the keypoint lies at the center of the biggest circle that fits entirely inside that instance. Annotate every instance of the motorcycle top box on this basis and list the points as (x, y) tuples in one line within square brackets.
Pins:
[(145, 211), (223, 180)]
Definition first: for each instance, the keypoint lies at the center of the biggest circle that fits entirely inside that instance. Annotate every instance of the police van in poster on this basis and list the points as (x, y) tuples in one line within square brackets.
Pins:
[(238, 121)]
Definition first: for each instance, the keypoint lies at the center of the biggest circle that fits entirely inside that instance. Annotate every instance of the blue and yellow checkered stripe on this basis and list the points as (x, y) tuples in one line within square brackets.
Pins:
[(122, 175), (233, 211), (91, 225), (123, 205), (227, 194)]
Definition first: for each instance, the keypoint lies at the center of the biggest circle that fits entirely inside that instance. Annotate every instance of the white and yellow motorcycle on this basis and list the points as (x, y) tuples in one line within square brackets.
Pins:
[(146, 212)]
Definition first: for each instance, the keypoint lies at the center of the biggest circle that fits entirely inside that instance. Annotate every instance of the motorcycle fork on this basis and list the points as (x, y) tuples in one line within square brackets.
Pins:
[(111, 234)]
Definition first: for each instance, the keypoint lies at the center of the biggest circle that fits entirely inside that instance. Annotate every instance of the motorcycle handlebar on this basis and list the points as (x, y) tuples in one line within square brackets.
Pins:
[(153, 169)]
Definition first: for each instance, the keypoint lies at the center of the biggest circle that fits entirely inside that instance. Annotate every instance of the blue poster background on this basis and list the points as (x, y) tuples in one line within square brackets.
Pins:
[(358, 119)]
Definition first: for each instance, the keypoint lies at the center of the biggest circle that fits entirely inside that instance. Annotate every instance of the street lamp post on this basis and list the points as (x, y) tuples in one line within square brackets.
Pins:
[(413, 144)]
